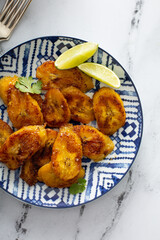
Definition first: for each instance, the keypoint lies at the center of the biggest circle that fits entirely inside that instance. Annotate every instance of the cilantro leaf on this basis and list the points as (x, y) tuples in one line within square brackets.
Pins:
[(25, 84), (82, 181), (78, 187), (36, 87)]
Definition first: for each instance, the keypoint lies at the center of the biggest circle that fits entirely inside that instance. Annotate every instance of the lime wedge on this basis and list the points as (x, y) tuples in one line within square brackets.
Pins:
[(101, 73), (76, 55)]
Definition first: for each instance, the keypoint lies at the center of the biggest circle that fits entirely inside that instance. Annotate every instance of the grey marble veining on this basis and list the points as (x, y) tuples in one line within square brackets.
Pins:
[(133, 33), (20, 230), (130, 31)]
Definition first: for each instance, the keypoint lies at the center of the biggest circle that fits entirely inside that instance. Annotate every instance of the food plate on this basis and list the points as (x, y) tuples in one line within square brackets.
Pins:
[(101, 176)]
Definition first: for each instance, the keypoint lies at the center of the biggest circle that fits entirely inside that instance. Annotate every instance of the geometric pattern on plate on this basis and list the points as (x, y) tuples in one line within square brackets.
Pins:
[(102, 176)]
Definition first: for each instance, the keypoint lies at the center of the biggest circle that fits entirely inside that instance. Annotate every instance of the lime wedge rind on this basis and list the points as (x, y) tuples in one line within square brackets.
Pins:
[(101, 73)]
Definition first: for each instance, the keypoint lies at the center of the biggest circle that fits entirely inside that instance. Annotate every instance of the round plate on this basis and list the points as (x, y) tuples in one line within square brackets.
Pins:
[(100, 176)]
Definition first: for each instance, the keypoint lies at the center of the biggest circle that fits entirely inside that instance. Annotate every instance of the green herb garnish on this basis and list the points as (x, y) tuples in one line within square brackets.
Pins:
[(78, 187), (29, 85)]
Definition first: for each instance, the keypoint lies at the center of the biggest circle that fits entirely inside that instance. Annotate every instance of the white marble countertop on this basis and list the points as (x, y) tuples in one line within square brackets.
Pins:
[(129, 31)]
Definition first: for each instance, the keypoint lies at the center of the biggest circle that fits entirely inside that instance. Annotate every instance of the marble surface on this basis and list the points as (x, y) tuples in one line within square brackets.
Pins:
[(130, 31)]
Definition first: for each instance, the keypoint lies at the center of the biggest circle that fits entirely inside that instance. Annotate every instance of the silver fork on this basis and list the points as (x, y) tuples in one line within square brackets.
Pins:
[(10, 15)]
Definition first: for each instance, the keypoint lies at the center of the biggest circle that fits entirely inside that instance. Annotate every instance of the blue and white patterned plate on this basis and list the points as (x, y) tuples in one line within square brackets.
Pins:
[(102, 176)]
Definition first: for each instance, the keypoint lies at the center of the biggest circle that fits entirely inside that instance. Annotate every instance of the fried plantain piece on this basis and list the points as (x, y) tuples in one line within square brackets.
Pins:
[(29, 171), (44, 156), (23, 110), (67, 154), (6, 84), (5, 132), (109, 110), (95, 144), (46, 174), (55, 108), (38, 98), (22, 145), (80, 105), (51, 77)]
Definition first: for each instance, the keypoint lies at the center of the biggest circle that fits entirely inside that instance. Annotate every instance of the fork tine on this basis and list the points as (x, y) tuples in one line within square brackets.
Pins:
[(6, 19), (6, 9), (10, 15), (18, 14), (5, 5)]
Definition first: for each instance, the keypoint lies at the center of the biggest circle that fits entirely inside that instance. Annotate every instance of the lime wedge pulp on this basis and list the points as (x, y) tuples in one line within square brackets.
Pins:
[(101, 73), (76, 55)]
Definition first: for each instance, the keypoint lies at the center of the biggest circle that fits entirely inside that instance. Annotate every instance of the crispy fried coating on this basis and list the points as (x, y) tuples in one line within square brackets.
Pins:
[(22, 145), (5, 132), (29, 171), (95, 144), (23, 110), (55, 108), (109, 110), (6, 84), (80, 105), (38, 98), (46, 174), (52, 77), (67, 154), (44, 156)]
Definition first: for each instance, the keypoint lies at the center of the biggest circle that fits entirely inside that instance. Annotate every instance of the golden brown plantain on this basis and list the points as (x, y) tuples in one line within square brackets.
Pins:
[(5, 132), (80, 105), (23, 110), (44, 156), (55, 108), (22, 145), (95, 144), (29, 172), (109, 110), (6, 84), (67, 154), (46, 174), (51, 77), (38, 98), (31, 166)]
